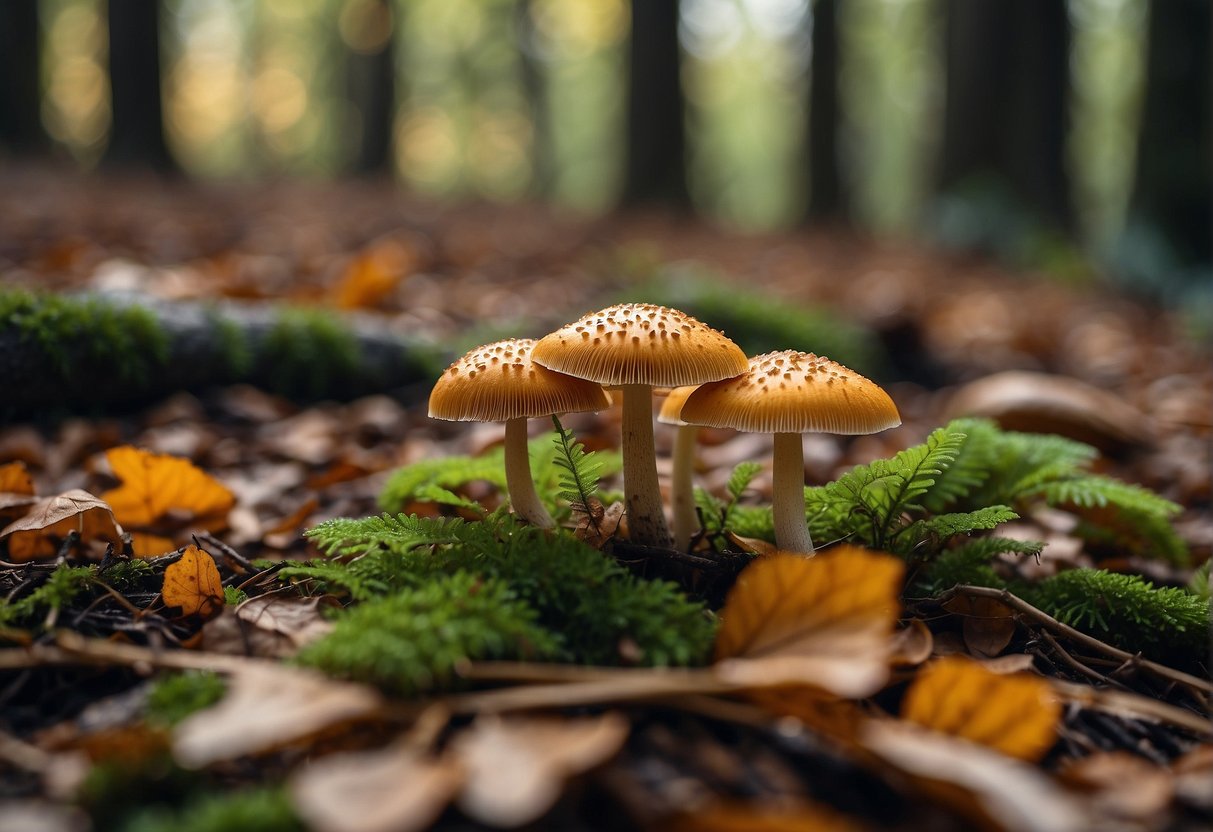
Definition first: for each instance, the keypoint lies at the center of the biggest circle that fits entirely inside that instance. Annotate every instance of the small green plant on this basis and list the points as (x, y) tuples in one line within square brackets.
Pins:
[(261, 809), (175, 696), (63, 587), (413, 641)]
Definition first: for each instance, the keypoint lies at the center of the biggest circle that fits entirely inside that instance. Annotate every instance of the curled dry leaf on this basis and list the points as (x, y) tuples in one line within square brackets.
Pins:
[(269, 626), (995, 791), (192, 582), (1122, 784), (517, 766), (1014, 714), (824, 621), (988, 625), (37, 534), (268, 706), (913, 644), (155, 484), (397, 789)]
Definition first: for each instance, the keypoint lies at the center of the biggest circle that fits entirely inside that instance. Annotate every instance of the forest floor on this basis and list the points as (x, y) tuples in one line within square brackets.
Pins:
[(947, 335)]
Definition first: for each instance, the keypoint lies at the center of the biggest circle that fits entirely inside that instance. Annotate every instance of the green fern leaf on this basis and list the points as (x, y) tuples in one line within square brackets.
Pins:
[(741, 478), (943, 526)]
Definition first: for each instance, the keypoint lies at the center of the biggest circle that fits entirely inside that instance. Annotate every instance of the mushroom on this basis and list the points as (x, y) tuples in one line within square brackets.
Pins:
[(682, 488), (499, 383), (634, 347), (789, 393)]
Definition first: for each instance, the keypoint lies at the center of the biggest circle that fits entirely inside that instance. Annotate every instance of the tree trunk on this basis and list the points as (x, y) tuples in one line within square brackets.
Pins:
[(828, 199), (21, 132), (371, 86), (656, 158), (137, 134), (1007, 101), (534, 84), (1174, 179)]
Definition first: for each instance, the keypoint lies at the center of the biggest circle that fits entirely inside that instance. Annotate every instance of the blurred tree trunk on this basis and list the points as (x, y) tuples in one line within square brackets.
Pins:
[(371, 86), (137, 132), (1007, 101), (21, 132), (828, 199), (534, 83), (656, 156), (1174, 182)]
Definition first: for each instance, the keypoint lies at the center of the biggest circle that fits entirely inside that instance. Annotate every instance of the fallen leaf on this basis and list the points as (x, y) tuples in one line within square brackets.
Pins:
[(15, 479), (1014, 714), (988, 625), (373, 274), (396, 789), (269, 626), (1122, 784), (993, 790), (37, 534), (147, 545), (13, 506), (831, 717), (913, 644), (266, 707), (517, 766), (743, 817), (754, 545), (824, 621), (155, 484), (193, 583)]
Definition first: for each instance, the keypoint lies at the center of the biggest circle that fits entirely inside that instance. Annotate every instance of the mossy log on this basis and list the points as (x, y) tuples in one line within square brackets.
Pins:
[(105, 352)]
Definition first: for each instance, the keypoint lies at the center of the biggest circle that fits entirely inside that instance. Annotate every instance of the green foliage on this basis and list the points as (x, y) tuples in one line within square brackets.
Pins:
[(579, 471), (63, 587), (1199, 583), (718, 516), (591, 603), (176, 696), (260, 809), (438, 480), (761, 323), (413, 640), (81, 334), (131, 574), (1129, 612), (233, 596), (310, 351), (970, 563)]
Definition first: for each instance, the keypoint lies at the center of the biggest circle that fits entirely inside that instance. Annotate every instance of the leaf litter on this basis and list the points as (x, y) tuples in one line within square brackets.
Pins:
[(847, 682)]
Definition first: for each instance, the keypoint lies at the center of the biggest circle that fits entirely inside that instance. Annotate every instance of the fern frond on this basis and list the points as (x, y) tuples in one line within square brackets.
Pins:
[(971, 563), (579, 471), (1099, 491), (414, 482), (741, 478), (943, 526), (343, 536), (969, 470)]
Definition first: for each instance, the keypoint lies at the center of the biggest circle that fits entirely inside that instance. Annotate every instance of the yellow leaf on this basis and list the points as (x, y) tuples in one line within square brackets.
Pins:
[(193, 583), (38, 534), (151, 545), (825, 621), (1015, 714), (15, 479), (154, 484)]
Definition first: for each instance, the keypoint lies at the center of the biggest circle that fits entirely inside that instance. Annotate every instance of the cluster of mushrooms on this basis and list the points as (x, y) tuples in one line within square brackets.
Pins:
[(634, 348)]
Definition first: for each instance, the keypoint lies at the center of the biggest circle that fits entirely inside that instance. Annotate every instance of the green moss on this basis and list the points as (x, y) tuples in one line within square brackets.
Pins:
[(236, 354), (413, 641), (310, 351), (176, 696), (63, 587), (255, 810), (80, 334)]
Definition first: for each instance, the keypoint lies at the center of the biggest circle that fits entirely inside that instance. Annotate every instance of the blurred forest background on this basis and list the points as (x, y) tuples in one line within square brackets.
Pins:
[(1070, 137)]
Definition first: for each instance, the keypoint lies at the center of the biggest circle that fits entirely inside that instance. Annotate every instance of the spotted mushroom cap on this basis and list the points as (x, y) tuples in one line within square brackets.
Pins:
[(640, 343), (671, 408), (498, 382), (793, 392)]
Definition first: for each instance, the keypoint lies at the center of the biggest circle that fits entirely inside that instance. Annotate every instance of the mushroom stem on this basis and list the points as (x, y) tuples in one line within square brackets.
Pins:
[(646, 516), (682, 489), (787, 495), (518, 479)]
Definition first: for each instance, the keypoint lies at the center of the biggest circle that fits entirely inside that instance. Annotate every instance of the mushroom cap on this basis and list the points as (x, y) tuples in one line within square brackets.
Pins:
[(671, 408), (793, 392), (499, 382), (640, 343)]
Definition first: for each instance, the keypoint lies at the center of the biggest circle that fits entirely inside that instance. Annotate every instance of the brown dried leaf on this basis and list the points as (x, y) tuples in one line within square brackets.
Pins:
[(824, 621), (290, 622), (268, 706), (1014, 714), (193, 583), (1123, 784), (393, 790), (36, 535), (993, 790), (913, 644), (517, 766), (988, 624)]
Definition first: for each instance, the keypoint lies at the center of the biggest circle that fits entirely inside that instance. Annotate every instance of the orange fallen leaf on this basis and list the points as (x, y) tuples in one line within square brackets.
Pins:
[(373, 274), (38, 533), (155, 484), (825, 621), (193, 583), (757, 817), (147, 545), (1015, 714), (15, 479)]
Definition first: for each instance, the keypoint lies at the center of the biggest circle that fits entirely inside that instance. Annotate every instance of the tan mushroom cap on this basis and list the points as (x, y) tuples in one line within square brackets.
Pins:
[(640, 343), (793, 392), (671, 408), (499, 382)]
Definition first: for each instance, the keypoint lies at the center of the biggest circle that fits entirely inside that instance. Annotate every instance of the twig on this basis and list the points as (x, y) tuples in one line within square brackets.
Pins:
[(227, 551), (1075, 665), (1021, 606)]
